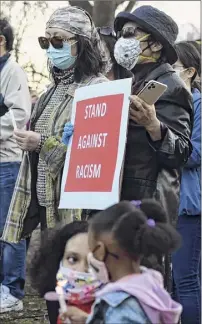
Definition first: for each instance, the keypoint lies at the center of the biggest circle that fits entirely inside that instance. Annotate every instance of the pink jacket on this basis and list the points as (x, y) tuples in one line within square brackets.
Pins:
[(148, 288)]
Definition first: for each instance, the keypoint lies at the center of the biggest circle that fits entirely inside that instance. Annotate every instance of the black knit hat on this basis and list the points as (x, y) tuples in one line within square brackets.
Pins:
[(157, 23)]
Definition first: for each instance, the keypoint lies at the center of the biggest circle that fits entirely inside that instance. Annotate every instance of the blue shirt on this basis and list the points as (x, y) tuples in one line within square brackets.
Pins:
[(190, 192), (117, 308)]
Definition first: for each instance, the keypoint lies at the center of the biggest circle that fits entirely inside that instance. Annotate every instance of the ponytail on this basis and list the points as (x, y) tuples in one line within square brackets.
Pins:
[(140, 228), (146, 231)]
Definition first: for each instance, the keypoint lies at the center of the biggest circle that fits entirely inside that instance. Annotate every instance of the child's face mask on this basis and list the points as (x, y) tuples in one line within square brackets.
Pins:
[(98, 267)]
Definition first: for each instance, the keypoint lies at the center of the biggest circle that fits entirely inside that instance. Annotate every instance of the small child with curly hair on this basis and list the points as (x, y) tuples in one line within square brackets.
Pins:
[(119, 237)]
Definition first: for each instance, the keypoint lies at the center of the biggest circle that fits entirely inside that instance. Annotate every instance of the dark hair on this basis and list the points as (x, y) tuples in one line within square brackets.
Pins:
[(118, 70), (131, 231), (45, 261), (7, 31), (89, 60), (196, 45), (190, 57)]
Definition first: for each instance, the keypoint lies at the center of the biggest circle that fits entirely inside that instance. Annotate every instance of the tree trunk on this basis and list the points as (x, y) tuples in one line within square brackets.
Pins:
[(103, 13), (85, 4)]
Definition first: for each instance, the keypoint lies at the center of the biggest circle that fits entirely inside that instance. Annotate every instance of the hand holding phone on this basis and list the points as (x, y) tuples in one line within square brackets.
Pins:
[(152, 91)]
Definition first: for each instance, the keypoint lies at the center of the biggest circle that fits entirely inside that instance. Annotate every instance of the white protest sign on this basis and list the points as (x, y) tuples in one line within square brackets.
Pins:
[(91, 176)]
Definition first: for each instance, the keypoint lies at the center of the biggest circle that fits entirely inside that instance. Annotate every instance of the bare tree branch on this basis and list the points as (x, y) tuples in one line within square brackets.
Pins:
[(83, 4), (130, 5)]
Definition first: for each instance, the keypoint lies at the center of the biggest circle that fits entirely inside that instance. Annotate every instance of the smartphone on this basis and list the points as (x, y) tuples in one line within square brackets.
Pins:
[(152, 92)]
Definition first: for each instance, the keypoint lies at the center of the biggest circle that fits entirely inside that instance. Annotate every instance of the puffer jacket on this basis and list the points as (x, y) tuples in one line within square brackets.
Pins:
[(152, 169)]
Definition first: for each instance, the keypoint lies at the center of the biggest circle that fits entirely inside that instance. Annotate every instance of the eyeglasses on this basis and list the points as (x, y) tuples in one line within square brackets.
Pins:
[(106, 31), (56, 42), (130, 31)]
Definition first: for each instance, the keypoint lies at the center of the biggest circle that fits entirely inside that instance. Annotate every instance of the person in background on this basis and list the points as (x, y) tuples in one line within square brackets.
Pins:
[(196, 44), (15, 97), (186, 261), (118, 238), (76, 58), (114, 70), (158, 142), (64, 249)]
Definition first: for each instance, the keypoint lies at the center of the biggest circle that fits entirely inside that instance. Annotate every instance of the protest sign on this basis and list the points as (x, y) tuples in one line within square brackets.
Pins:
[(91, 176)]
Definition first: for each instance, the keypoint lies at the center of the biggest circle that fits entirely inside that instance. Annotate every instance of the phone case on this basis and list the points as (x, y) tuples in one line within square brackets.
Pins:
[(152, 92)]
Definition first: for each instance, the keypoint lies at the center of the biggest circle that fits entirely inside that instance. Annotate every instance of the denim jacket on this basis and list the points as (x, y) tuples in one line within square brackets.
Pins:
[(190, 193), (117, 308)]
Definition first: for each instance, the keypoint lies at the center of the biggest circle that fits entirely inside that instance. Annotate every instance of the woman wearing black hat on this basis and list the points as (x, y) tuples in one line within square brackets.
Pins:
[(158, 136)]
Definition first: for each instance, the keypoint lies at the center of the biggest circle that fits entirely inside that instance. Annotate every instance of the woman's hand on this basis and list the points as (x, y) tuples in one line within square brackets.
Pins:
[(145, 115), (74, 315), (27, 140), (68, 131)]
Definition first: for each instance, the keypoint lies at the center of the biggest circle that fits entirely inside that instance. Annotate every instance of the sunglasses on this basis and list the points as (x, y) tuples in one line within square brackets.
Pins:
[(56, 42), (106, 31), (129, 31)]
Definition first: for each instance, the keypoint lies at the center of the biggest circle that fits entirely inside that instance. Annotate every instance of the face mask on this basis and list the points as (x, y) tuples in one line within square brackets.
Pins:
[(98, 268), (179, 72), (127, 51), (61, 58), (78, 287)]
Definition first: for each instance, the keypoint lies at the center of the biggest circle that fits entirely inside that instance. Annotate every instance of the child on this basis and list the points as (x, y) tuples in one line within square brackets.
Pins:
[(119, 237), (64, 255)]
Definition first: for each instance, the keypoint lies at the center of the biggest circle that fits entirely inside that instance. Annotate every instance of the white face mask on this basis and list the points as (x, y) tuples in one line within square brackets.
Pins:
[(127, 51), (179, 72), (98, 268)]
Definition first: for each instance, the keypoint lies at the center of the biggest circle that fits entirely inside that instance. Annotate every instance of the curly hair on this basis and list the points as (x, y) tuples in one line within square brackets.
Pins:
[(45, 261), (130, 229)]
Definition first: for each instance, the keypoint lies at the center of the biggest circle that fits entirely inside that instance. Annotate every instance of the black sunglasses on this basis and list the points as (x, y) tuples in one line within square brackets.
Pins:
[(56, 42), (129, 31), (106, 31)]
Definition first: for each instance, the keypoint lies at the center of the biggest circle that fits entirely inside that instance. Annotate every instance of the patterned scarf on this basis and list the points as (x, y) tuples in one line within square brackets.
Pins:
[(64, 76)]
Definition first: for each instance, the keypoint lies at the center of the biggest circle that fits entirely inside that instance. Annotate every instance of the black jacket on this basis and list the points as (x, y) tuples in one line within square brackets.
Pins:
[(152, 169)]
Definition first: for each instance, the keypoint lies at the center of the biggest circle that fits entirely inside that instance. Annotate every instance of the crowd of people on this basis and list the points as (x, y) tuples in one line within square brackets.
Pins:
[(137, 261)]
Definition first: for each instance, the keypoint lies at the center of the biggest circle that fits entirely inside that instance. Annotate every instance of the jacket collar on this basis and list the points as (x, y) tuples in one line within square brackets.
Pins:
[(159, 71)]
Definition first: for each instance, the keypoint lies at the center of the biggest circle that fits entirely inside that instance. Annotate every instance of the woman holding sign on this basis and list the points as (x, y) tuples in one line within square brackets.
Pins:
[(76, 59)]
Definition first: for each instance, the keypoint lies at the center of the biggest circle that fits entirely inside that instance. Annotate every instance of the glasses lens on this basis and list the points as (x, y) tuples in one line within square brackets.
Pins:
[(57, 42), (43, 42), (128, 32), (131, 31)]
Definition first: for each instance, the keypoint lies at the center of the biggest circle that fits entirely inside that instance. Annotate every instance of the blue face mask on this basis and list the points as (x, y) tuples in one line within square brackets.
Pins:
[(62, 57)]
